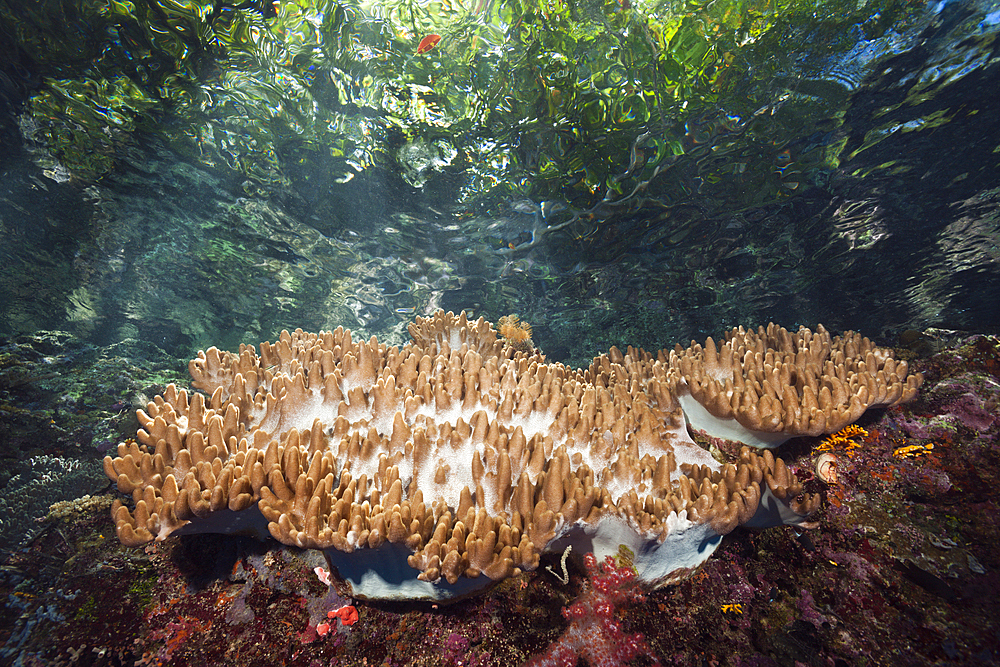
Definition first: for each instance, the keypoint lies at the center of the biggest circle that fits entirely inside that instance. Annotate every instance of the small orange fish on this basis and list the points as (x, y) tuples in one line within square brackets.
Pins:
[(428, 43)]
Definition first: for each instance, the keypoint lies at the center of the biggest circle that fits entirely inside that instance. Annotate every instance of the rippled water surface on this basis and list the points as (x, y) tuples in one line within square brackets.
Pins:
[(195, 174)]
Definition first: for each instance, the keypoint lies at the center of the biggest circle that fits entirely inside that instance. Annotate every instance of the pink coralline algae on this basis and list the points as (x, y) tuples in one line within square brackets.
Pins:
[(966, 402), (455, 649), (593, 633)]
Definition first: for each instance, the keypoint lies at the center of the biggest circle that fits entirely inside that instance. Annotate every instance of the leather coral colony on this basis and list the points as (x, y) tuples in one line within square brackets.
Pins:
[(765, 387), (432, 470)]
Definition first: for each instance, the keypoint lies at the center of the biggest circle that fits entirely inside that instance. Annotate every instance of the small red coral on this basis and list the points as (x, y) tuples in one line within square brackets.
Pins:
[(593, 633), (348, 615)]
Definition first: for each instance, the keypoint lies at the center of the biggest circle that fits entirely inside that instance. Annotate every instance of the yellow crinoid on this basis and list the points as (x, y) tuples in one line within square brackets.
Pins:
[(844, 438), (516, 334)]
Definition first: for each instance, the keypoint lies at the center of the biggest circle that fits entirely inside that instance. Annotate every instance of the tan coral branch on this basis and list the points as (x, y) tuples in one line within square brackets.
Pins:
[(462, 460), (775, 382)]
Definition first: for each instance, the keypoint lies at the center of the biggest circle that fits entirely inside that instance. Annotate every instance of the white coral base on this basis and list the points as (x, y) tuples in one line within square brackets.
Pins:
[(686, 547), (701, 419), (384, 574)]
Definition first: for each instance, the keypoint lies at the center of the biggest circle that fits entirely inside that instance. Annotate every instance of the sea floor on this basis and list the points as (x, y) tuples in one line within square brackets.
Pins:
[(902, 569)]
